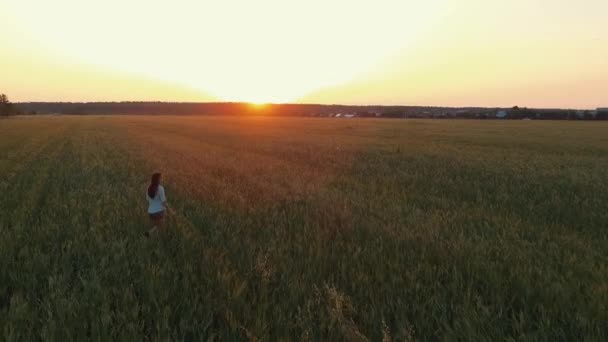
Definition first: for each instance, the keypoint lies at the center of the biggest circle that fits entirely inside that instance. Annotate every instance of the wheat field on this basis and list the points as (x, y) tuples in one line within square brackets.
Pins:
[(303, 229)]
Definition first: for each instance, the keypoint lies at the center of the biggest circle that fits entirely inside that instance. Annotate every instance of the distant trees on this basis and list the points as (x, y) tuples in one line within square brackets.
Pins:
[(6, 107)]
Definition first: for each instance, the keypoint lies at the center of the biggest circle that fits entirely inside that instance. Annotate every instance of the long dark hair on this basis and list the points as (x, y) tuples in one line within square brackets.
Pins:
[(154, 183)]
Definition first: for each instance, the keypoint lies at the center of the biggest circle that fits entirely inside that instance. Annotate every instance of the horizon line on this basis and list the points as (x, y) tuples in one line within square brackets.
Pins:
[(302, 104)]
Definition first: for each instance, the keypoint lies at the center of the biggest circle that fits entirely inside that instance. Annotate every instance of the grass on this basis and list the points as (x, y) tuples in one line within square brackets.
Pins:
[(304, 229)]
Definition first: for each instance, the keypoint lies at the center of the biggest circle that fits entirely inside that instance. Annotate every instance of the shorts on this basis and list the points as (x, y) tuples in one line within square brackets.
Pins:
[(157, 216)]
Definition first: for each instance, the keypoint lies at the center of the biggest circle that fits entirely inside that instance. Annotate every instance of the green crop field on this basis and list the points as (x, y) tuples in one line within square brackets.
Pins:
[(303, 229)]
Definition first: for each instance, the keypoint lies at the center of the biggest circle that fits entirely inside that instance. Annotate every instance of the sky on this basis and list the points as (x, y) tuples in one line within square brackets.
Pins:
[(535, 53)]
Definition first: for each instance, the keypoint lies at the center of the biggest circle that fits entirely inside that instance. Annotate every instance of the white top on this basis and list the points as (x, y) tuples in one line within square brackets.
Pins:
[(155, 205)]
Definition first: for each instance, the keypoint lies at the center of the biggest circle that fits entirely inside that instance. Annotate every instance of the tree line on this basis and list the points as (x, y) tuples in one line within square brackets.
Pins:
[(318, 110), (6, 107)]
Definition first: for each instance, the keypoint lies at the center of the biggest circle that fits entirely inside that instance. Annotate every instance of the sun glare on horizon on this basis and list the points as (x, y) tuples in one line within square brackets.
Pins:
[(258, 105)]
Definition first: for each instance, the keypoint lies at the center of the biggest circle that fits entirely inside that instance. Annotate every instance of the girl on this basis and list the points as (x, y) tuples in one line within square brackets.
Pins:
[(157, 203)]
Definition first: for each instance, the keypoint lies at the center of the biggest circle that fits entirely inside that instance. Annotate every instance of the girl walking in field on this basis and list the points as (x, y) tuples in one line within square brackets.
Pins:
[(157, 203)]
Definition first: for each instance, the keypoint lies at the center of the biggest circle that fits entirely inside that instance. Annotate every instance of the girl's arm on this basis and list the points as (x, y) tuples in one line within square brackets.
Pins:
[(163, 198)]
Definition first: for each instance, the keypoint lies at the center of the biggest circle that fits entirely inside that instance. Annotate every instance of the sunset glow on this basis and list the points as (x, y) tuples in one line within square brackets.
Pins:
[(438, 52)]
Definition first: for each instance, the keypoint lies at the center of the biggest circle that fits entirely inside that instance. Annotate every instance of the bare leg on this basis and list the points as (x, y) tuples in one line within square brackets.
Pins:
[(161, 225), (152, 230)]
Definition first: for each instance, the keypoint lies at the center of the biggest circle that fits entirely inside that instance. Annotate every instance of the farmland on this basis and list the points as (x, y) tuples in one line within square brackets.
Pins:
[(303, 229)]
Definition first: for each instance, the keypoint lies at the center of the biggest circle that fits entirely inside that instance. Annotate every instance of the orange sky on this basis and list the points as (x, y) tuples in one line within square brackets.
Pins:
[(536, 53)]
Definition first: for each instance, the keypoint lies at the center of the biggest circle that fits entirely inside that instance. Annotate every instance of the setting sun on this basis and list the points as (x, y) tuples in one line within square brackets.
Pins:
[(258, 105)]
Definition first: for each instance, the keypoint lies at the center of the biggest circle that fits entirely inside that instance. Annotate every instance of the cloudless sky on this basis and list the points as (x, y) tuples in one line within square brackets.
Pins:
[(541, 53)]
